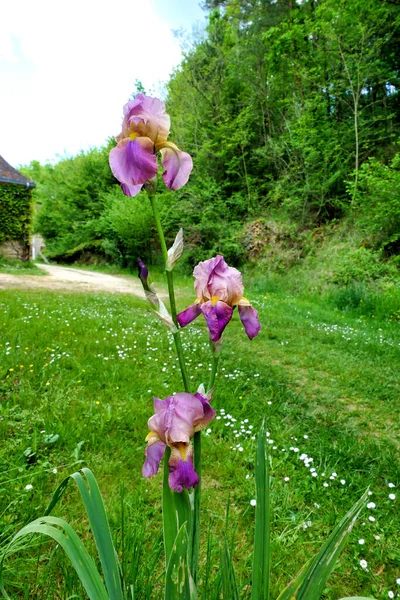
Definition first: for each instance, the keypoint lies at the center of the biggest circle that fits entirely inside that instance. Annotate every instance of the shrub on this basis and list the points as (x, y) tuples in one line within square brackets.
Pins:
[(378, 201)]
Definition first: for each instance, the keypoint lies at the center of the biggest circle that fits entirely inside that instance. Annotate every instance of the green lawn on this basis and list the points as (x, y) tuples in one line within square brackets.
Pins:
[(78, 375)]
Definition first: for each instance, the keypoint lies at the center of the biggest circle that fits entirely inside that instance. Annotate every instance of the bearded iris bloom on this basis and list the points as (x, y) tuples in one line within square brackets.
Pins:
[(219, 289), (174, 423), (145, 129)]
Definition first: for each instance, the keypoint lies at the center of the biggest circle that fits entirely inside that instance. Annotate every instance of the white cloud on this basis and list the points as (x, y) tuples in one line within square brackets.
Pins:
[(67, 68)]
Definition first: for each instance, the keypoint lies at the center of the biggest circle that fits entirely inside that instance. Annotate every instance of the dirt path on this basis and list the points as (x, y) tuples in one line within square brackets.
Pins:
[(72, 280)]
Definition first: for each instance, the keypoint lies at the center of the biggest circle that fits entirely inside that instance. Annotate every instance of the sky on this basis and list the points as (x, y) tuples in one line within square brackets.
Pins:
[(67, 67)]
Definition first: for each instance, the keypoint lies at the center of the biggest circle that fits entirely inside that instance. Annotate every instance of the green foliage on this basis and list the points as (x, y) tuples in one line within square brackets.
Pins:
[(362, 264), (15, 212), (19, 267), (279, 103), (126, 227), (378, 202), (381, 303)]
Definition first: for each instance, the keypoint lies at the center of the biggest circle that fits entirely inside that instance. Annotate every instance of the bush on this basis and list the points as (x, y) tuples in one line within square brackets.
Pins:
[(379, 303), (378, 202), (362, 264)]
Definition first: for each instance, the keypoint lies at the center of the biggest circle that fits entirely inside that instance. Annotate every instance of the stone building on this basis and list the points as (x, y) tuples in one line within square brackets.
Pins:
[(15, 212)]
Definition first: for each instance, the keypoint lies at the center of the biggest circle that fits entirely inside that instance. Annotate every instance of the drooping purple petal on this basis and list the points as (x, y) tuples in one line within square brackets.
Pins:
[(178, 165), (209, 412), (214, 277), (189, 314), (181, 472), (133, 162), (131, 190), (154, 454), (217, 317), (249, 317)]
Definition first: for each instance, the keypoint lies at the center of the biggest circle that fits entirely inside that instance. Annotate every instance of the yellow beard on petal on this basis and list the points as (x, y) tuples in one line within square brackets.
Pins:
[(214, 300), (134, 135)]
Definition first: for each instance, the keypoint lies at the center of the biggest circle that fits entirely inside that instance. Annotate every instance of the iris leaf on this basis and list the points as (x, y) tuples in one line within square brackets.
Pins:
[(262, 545)]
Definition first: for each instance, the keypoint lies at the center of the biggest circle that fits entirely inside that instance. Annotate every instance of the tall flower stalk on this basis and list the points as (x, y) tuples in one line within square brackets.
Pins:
[(194, 538)]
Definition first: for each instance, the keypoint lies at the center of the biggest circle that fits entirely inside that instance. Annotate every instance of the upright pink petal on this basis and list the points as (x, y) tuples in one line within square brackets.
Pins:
[(214, 277), (217, 318), (178, 165), (183, 412), (249, 317), (147, 117), (189, 315), (209, 413), (154, 454), (133, 162)]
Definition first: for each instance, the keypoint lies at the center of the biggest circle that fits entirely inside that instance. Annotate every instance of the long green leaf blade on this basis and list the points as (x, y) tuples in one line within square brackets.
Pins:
[(63, 534), (98, 521), (176, 511), (262, 544), (179, 584), (314, 578), (230, 589)]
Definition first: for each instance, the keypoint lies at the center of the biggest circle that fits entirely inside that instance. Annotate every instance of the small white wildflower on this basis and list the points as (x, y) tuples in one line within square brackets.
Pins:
[(371, 505), (314, 474), (363, 564), (326, 484), (392, 496), (334, 474), (398, 581), (377, 537), (372, 519), (29, 486), (208, 430), (361, 542), (390, 594), (342, 481), (317, 505), (248, 476), (305, 437), (54, 471), (391, 485), (253, 502), (286, 479)]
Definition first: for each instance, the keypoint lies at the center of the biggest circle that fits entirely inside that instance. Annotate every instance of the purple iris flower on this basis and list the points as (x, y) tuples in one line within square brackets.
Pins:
[(174, 423), (219, 289), (145, 128)]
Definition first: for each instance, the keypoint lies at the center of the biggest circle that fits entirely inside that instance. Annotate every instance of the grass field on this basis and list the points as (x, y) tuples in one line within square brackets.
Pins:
[(78, 373), (18, 267)]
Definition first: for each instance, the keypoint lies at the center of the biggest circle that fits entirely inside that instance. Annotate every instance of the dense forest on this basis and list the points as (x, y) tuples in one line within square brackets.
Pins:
[(291, 112)]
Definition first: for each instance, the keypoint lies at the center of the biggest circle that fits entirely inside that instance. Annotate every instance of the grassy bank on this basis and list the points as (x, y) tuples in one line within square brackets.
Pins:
[(19, 267), (78, 376)]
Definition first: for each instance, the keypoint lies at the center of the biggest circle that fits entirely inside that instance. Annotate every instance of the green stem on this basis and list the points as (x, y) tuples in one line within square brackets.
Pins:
[(171, 293), (214, 369)]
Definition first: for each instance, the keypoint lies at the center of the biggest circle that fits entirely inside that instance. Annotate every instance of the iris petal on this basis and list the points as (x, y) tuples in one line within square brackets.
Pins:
[(133, 162), (209, 412), (131, 190), (188, 315), (178, 165), (181, 471), (154, 454), (217, 317), (249, 317)]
